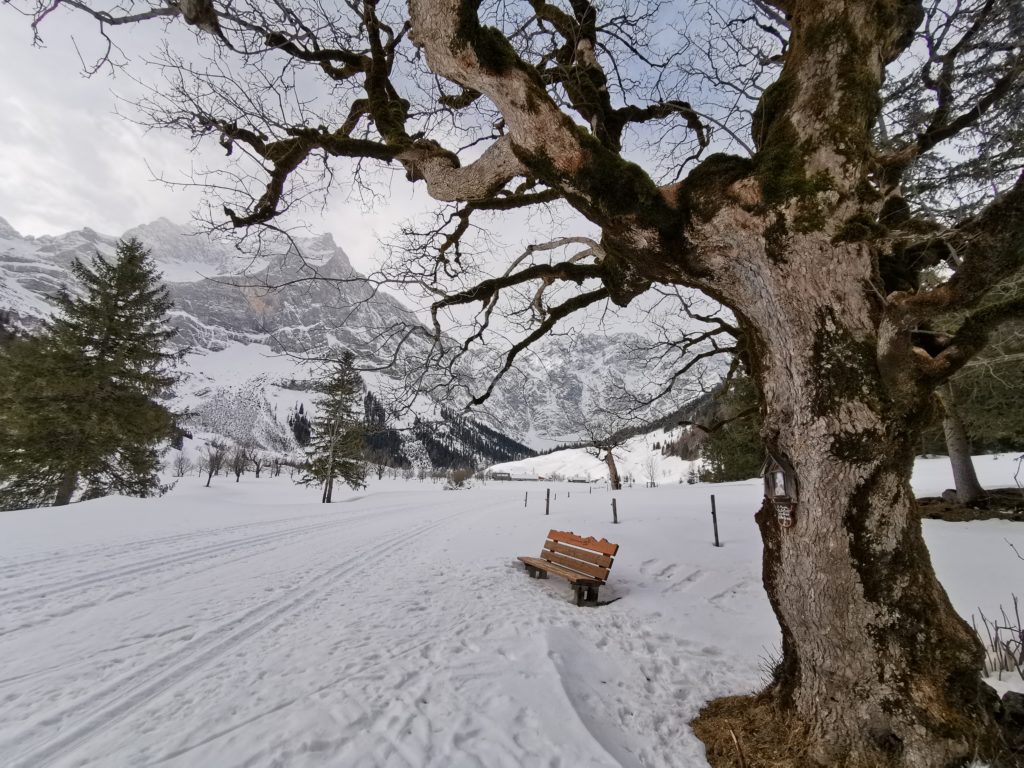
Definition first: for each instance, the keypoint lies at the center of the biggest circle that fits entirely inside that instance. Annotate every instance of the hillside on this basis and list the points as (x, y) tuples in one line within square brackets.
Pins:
[(246, 343)]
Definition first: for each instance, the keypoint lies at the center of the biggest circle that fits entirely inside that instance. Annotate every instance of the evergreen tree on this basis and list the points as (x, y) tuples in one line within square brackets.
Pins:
[(734, 450), (79, 403), (336, 445), (7, 329), (300, 425)]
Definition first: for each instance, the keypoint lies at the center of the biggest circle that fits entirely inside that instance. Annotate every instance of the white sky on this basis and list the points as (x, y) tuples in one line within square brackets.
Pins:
[(68, 161)]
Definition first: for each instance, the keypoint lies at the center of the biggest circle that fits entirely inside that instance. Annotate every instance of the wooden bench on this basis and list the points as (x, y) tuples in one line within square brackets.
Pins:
[(584, 562)]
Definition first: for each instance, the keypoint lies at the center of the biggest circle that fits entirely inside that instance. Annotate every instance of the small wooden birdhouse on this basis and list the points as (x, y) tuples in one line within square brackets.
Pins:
[(780, 488)]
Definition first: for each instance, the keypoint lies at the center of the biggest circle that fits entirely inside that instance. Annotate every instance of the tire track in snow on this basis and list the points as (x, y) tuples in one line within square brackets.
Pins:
[(110, 705)]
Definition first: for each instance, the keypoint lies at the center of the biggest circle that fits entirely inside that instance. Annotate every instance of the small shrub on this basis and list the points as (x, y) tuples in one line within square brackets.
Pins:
[(458, 479), (1003, 639)]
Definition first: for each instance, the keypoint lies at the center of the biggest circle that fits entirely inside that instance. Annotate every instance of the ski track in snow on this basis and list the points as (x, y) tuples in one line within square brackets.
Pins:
[(111, 703), (97, 581), (243, 626)]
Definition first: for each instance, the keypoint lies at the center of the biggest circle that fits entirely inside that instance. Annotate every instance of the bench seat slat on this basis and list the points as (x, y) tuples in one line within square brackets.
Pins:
[(580, 554), (565, 573), (587, 569)]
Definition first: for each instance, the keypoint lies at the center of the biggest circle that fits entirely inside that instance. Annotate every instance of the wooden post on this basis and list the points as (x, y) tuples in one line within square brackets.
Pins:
[(547, 503), (615, 512), (526, 498), (714, 519)]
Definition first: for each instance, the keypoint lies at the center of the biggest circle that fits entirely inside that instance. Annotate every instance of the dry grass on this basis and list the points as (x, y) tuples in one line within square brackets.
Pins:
[(1002, 504), (750, 732)]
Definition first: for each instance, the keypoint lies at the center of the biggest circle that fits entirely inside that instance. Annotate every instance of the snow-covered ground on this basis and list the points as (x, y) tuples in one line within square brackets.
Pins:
[(247, 625)]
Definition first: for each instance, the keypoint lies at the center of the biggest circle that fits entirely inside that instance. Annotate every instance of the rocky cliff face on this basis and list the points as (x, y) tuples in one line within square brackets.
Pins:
[(238, 330)]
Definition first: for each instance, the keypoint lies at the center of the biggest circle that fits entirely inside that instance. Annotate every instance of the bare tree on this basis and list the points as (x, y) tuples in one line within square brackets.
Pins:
[(602, 432), (652, 463), (258, 460), (182, 464), (239, 461), (213, 458), (801, 162)]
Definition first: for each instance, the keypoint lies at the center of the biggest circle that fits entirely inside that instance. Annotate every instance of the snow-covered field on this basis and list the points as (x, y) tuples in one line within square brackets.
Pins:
[(247, 625)]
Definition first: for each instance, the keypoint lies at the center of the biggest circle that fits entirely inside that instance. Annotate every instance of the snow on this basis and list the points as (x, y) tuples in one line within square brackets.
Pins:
[(248, 625), (632, 459)]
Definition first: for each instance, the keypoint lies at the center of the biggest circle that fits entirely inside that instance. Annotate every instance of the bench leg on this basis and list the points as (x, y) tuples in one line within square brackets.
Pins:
[(592, 594)]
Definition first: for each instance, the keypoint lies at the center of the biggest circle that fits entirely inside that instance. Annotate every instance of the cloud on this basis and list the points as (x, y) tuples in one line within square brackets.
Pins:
[(69, 161)]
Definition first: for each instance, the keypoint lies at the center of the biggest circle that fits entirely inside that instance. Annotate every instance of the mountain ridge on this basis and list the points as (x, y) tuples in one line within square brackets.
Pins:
[(220, 308)]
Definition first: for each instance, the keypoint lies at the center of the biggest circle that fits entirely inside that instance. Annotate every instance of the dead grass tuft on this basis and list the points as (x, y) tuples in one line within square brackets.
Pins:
[(751, 732)]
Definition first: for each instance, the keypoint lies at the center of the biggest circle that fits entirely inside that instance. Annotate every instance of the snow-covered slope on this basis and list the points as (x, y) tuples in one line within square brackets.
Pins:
[(639, 461), (247, 625), (234, 316)]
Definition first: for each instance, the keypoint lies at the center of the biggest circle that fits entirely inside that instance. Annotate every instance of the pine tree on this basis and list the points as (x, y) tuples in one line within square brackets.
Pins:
[(734, 450), (336, 446), (300, 425), (79, 403)]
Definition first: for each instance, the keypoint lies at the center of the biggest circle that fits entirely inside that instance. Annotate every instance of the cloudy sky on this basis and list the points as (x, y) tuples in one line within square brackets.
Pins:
[(68, 160)]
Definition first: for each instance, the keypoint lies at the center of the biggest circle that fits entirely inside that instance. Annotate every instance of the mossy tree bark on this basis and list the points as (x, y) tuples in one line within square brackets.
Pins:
[(876, 663)]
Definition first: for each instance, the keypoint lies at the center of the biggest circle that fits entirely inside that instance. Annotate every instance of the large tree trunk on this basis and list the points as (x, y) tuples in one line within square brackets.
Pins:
[(613, 471), (66, 488), (877, 667), (958, 445)]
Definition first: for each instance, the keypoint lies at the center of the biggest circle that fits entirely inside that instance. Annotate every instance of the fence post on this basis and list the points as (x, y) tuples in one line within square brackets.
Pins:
[(547, 503), (615, 512), (526, 498), (714, 519)]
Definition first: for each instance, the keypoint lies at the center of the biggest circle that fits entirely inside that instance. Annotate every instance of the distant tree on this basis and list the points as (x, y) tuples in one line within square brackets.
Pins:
[(986, 392), (213, 459), (258, 459), (958, 447), (300, 426), (651, 465), (239, 461), (182, 464), (336, 446), (602, 429), (7, 329), (692, 476), (80, 402)]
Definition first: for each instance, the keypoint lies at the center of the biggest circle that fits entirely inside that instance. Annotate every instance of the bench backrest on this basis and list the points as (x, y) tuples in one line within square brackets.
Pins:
[(586, 556)]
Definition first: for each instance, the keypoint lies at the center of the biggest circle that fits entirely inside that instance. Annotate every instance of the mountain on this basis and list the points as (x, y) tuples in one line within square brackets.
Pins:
[(243, 367)]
